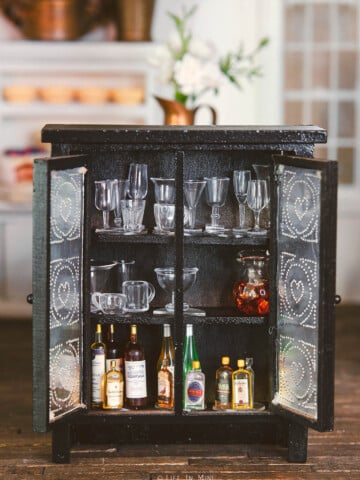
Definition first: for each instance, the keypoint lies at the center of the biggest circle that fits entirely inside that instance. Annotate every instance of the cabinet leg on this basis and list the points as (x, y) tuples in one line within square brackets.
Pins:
[(297, 443), (61, 443)]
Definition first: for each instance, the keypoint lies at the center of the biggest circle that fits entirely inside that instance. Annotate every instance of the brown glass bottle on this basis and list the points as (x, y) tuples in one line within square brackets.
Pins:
[(135, 372), (112, 350)]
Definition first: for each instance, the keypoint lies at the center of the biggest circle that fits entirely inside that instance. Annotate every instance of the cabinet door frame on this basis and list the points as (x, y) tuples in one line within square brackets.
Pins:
[(43, 169), (325, 321)]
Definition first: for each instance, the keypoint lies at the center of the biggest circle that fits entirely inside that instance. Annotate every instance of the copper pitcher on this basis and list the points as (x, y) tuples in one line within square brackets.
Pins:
[(177, 114), (53, 19)]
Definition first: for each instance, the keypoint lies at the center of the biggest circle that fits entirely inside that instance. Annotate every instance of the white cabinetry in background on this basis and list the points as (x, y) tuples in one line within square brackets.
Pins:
[(15, 260), (109, 82), (80, 66)]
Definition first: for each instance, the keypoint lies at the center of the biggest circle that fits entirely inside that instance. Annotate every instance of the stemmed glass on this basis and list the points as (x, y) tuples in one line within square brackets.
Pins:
[(241, 180), (166, 279), (193, 190), (121, 191), (138, 181), (216, 192), (105, 199), (257, 199), (263, 173)]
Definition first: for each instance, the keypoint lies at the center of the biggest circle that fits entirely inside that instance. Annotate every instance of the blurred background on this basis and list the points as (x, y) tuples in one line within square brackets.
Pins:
[(89, 61)]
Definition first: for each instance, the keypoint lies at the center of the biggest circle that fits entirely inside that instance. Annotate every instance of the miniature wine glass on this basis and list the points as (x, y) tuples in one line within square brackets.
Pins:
[(164, 190), (257, 199), (138, 181), (241, 180), (216, 192), (105, 199), (262, 172), (166, 279), (121, 191), (193, 190)]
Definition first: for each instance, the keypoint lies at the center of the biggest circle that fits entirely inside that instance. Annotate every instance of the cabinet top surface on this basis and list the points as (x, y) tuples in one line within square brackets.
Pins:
[(129, 134)]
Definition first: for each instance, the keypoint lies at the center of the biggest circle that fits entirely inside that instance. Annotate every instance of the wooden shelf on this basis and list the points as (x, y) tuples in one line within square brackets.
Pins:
[(150, 238), (214, 316)]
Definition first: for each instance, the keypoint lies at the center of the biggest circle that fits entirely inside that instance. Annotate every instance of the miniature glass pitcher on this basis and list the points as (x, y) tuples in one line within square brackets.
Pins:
[(251, 290)]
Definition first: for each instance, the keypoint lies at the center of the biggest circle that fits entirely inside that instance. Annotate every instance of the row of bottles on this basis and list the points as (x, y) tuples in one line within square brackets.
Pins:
[(113, 389), (235, 389)]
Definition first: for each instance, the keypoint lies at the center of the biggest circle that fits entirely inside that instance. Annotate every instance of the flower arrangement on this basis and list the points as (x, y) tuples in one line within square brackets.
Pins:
[(191, 67)]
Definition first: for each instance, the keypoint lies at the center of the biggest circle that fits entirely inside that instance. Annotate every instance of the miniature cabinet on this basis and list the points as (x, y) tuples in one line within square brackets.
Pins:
[(292, 346)]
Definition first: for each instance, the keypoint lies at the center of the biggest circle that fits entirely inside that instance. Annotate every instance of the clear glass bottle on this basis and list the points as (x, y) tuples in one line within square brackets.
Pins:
[(165, 396), (223, 384), (97, 368), (195, 388), (242, 394), (249, 362), (135, 372), (190, 354), (166, 362), (112, 350), (113, 388)]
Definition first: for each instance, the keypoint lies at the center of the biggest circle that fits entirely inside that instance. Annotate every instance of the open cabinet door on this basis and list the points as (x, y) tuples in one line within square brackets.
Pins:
[(303, 249), (58, 240)]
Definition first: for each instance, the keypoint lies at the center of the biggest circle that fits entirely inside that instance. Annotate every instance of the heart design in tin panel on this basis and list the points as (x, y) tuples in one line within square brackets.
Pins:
[(301, 207), (297, 290), (65, 209), (64, 293)]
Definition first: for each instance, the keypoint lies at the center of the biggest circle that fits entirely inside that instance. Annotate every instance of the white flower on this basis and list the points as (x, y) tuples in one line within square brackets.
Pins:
[(188, 75), (201, 49), (194, 76), (175, 44), (191, 66), (164, 62), (211, 75)]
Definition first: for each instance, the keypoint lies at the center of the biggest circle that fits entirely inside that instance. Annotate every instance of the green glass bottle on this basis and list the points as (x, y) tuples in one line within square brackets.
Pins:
[(190, 355)]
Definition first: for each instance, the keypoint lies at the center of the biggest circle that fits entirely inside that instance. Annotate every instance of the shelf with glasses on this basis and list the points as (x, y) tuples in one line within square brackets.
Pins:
[(203, 239), (143, 318), (213, 316)]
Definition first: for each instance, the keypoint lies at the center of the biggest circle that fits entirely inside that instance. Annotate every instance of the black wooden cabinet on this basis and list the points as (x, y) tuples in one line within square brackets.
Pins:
[(292, 347)]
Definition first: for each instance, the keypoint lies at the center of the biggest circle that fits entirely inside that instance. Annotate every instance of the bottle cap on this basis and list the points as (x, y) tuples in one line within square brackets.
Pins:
[(98, 328), (133, 329), (241, 363), (189, 329), (196, 365), (112, 364), (225, 360)]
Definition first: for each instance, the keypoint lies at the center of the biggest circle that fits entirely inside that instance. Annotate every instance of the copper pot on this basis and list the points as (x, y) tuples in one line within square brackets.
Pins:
[(134, 20), (53, 19)]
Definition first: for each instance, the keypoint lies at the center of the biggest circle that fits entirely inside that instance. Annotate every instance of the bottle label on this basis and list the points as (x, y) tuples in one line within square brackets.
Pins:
[(135, 377), (223, 391), (241, 391), (164, 386), (97, 371), (114, 392), (195, 392)]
